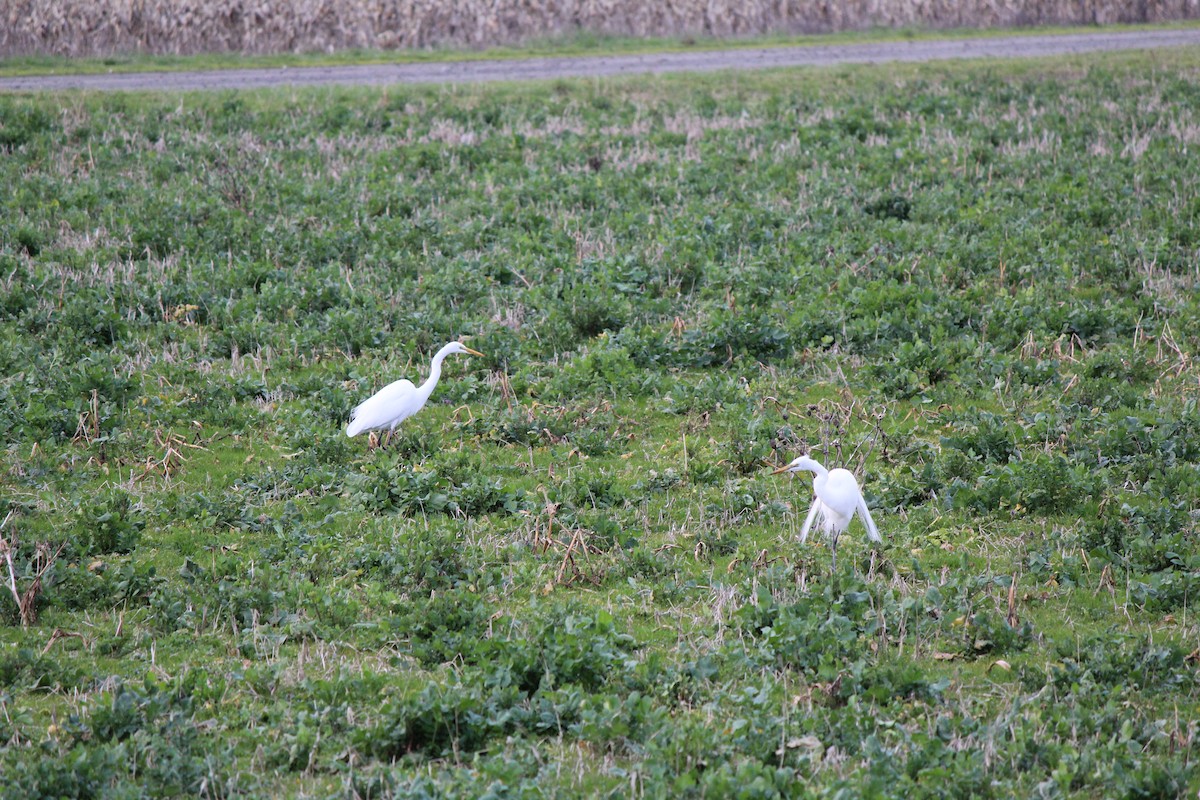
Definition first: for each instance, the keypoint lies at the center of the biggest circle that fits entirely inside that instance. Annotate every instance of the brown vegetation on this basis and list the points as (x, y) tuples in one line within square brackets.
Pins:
[(30, 573), (105, 27)]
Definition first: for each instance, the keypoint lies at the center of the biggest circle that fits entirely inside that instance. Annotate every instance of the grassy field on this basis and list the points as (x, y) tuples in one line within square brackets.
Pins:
[(573, 574)]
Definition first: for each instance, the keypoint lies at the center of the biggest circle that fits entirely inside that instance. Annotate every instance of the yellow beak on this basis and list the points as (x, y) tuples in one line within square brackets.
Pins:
[(472, 352), (784, 468)]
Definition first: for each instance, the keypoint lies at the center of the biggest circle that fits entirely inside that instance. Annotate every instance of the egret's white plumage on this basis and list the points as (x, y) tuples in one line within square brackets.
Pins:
[(399, 400), (837, 499)]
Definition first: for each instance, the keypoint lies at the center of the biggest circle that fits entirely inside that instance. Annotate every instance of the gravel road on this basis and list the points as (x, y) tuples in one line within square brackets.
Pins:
[(596, 66)]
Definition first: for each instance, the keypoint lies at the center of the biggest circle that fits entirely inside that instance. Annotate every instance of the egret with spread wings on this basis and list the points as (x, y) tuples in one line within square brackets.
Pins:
[(837, 499)]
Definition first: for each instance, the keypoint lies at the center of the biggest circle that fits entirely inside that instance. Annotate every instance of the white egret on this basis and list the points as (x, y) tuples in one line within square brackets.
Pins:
[(400, 399), (837, 498)]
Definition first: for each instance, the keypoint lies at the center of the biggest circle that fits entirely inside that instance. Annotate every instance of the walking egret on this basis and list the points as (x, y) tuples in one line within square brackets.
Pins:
[(400, 399), (837, 498)]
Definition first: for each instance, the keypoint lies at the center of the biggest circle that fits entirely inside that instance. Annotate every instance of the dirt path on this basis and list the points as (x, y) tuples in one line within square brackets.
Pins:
[(589, 66)]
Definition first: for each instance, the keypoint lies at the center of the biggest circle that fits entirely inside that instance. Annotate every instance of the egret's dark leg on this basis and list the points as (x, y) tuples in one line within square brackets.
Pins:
[(388, 440), (834, 549)]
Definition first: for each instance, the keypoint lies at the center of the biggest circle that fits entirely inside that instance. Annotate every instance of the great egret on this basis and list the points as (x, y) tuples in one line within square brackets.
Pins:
[(399, 400), (837, 498)]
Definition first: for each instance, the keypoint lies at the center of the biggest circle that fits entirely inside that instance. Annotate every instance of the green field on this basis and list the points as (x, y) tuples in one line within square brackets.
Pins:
[(573, 574)]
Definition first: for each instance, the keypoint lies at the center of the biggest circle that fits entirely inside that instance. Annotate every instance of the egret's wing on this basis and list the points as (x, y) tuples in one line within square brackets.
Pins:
[(839, 491), (865, 513), (385, 408), (812, 514)]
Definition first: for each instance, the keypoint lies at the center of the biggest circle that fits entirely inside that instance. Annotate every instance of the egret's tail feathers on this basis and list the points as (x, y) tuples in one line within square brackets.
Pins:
[(865, 513), (356, 425), (812, 515)]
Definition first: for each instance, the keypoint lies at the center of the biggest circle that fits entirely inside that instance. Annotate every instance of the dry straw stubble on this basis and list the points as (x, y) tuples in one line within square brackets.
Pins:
[(180, 27)]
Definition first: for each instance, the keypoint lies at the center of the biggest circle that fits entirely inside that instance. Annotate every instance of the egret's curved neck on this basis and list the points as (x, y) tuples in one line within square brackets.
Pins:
[(435, 371), (819, 472)]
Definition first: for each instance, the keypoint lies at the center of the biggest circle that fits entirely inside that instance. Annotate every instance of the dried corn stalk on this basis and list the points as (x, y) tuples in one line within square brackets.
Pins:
[(178, 27)]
